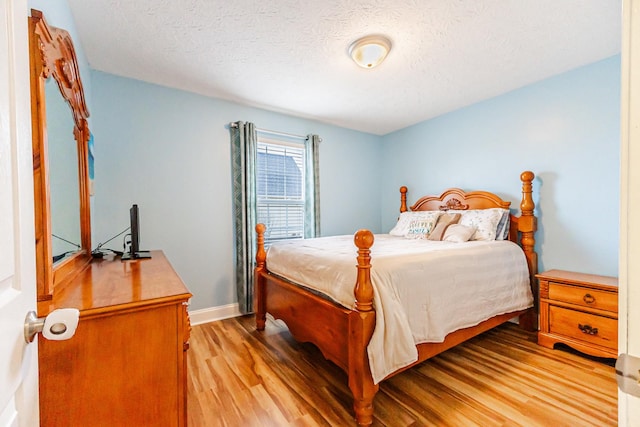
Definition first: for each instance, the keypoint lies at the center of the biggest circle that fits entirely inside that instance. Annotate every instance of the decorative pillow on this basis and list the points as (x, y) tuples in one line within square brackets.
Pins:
[(444, 221), (404, 221), (484, 220), (421, 227), (458, 233), (502, 230)]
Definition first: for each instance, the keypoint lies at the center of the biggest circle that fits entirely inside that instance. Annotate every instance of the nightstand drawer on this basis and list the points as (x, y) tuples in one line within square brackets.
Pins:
[(585, 297), (586, 327)]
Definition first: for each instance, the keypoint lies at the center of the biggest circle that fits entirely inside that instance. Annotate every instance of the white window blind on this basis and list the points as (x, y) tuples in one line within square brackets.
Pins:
[(280, 186)]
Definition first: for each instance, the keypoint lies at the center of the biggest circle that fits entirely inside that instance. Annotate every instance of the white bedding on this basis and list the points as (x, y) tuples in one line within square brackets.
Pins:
[(423, 289)]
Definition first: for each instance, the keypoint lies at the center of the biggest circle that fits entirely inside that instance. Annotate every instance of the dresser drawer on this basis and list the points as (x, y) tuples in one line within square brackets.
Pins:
[(585, 327), (583, 296)]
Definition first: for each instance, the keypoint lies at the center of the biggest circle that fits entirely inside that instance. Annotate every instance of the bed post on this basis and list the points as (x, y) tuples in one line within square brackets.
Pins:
[(259, 286), (527, 226), (403, 199), (362, 321), (364, 290)]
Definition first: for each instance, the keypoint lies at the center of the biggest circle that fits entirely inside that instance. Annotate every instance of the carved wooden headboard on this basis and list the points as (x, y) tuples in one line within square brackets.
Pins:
[(455, 198)]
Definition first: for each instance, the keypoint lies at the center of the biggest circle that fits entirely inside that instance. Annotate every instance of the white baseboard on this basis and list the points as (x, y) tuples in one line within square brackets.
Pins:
[(212, 314)]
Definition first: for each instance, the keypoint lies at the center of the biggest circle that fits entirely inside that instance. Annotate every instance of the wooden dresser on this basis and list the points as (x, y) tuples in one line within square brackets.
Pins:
[(579, 310), (126, 363)]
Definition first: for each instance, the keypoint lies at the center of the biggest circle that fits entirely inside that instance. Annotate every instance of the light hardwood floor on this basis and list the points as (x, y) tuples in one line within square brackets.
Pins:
[(241, 377)]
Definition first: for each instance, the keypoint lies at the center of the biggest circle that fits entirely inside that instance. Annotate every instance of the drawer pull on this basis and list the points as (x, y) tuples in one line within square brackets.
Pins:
[(587, 329), (589, 299)]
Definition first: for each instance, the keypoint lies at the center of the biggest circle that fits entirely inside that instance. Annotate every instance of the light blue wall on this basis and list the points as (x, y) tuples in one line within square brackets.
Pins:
[(169, 152), (565, 129)]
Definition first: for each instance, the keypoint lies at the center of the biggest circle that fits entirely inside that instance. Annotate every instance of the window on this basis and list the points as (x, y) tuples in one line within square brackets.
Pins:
[(275, 182), (280, 189)]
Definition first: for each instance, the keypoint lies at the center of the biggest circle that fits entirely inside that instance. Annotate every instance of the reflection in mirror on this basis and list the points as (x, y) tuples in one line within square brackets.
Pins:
[(63, 174)]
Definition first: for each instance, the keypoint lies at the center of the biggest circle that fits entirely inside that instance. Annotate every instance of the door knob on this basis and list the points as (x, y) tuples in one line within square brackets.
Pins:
[(59, 325)]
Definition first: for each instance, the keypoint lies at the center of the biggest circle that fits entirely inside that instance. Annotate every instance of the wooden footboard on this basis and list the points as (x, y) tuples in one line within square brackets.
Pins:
[(341, 334)]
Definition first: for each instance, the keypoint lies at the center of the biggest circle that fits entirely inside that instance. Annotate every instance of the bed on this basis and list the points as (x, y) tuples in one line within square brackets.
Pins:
[(344, 330)]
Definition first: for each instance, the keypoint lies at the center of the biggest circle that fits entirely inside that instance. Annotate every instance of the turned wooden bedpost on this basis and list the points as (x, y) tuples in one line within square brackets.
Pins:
[(259, 285), (364, 290), (527, 226), (361, 325), (403, 199)]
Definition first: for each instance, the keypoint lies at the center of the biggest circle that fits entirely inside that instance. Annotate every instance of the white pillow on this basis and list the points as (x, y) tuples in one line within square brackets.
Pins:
[(484, 220), (406, 218), (458, 233)]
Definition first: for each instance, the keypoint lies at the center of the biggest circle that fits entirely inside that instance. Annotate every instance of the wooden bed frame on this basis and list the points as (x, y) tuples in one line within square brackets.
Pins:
[(342, 335)]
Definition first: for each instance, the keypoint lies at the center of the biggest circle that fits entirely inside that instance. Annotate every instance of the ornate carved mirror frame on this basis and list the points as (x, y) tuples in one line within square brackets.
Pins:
[(52, 55)]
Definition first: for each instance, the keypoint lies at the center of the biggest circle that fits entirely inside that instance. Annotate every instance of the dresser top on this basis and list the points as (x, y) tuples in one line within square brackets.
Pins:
[(110, 284), (579, 278)]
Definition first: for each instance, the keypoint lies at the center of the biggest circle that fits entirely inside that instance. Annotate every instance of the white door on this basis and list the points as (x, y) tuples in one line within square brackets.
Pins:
[(629, 316), (18, 361)]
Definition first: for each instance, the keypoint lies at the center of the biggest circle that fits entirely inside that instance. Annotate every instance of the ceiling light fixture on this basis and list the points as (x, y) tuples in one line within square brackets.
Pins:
[(370, 51)]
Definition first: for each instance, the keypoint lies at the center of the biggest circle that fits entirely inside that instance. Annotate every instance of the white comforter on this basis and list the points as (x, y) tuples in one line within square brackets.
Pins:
[(423, 289)]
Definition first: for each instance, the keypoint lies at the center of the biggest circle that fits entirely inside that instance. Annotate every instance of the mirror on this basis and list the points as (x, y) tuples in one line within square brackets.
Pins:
[(60, 159), (63, 175)]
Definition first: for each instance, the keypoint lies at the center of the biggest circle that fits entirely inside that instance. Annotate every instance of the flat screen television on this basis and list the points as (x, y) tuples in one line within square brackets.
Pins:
[(134, 247)]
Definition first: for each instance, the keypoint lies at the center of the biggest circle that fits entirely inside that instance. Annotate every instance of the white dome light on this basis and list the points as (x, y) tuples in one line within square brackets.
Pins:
[(370, 51)]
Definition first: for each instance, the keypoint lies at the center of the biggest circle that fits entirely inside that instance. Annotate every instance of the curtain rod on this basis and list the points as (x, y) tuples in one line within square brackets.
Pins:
[(273, 132)]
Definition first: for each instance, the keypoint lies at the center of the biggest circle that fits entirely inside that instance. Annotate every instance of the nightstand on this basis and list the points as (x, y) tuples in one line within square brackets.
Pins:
[(579, 310)]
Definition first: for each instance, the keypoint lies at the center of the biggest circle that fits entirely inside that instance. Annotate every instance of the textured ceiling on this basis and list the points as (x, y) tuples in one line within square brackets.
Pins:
[(291, 55)]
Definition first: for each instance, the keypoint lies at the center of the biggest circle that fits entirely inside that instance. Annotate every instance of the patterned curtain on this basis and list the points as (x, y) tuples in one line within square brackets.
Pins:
[(243, 154), (312, 188)]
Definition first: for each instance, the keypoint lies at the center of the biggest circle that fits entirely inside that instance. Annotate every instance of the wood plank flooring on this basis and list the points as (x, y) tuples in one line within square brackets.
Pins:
[(241, 377)]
